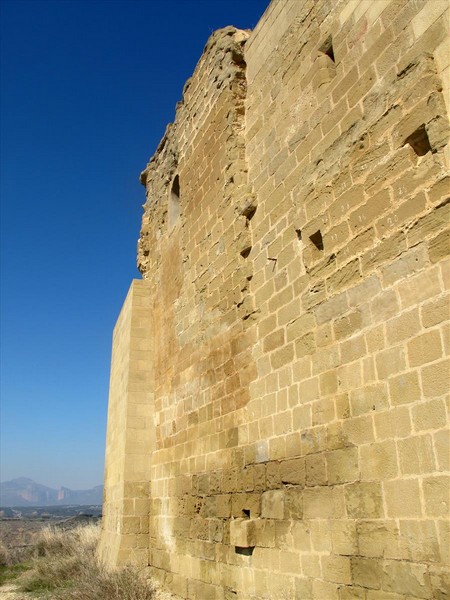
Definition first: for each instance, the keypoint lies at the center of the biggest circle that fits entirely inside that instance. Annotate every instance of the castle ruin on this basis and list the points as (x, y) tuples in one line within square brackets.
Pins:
[(278, 424)]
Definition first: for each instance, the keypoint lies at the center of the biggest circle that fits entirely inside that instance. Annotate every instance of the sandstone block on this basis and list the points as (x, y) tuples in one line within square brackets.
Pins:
[(429, 415), (348, 325), (372, 209), (366, 572), (245, 505), (272, 506), (377, 538), (384, 306), (405, 388), (421, 287), (436, 495), (438, 247), (293, 503), (435, 379), (383, 253), (322, 503), (352, 593), (403, 498), (364, 500), (344, 537), (379, 461), (274, 340), (316, 469), (441, 448), (403, 327), (416, 455), (401, 577), (436, 311), (370, 398), (440, 581), (342, 465), (418, 540), (303, 588), (359, 430), (336, 569), (390, 361), (293, 471), (131, 525), (424, 349)]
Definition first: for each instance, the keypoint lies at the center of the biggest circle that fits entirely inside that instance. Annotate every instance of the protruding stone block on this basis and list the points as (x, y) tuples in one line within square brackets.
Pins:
[(243, 533)]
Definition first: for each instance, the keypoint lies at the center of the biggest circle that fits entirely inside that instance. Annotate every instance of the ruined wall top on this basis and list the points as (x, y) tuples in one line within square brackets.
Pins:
[(221, 69)]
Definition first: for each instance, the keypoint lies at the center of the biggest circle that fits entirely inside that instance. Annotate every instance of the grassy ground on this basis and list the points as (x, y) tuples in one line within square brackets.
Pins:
[(65, 567), (9, 573)]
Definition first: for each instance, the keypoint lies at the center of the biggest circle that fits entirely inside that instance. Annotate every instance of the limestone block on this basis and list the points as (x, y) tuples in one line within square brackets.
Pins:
[(416, 454), (425, 348), (364, 500), (273, 504), (342, 465), (429, 415), (245, 505), (403, 498), (437, 497), (441, 448), (322, 503), (352, 593), (344, 537), (337, 569), (435, 379), (405, 388), (366, 572), (243, 533), (409, 578), (379, 461), (377, 538)]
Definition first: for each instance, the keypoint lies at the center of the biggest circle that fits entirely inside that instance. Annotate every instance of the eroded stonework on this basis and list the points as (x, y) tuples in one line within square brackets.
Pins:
[(278, 423)]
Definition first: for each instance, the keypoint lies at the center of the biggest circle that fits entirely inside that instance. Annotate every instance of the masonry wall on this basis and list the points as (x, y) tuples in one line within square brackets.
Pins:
[(294, 250), (130, 439)]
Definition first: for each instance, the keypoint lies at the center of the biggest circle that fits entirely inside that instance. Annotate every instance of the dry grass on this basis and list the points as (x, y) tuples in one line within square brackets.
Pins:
[(66, 568), (12, 556), (12, 563), (4, 555)]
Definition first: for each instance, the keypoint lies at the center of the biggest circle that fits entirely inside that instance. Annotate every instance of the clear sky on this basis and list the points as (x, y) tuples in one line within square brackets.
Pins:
[(87, 88)]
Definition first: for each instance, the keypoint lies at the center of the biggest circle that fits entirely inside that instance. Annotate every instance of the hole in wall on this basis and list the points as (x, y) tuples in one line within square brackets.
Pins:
[(176, 186), (249, 212), (317, 239), (174, 201), (246, 513), (250, 314), (244, 551), (327, 48), (238, 59), (299, 234), (419, 141), (245, 252)]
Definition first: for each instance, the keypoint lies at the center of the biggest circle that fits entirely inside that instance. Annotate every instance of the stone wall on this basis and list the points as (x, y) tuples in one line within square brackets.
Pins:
[(278, 409)]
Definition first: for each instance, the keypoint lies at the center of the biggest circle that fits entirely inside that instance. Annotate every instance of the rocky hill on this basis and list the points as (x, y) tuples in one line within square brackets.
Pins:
[(26, 492)]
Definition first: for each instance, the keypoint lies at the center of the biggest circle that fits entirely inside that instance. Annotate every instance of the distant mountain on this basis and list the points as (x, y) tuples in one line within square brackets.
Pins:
[(26, 492)]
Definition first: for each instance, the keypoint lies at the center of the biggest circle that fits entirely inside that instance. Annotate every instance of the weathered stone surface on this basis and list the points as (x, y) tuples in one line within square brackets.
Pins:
[(278, 414)]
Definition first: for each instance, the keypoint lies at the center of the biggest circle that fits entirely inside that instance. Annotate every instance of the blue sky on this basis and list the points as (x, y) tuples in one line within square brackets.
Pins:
[(87, 88)]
